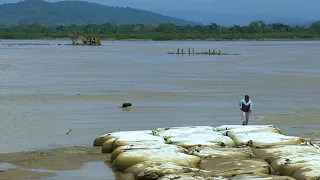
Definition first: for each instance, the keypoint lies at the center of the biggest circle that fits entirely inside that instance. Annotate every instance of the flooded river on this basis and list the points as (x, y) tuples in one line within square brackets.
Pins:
[(46, 90)]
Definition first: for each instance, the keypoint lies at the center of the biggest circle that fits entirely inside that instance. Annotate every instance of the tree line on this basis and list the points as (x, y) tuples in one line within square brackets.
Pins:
[(254, 30)]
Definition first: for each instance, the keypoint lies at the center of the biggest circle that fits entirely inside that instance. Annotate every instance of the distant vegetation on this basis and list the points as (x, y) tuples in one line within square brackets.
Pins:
[(255, 30), (37, 19)]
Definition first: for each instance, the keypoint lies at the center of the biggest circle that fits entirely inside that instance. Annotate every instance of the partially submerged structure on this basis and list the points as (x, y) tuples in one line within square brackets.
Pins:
[(88, 41)]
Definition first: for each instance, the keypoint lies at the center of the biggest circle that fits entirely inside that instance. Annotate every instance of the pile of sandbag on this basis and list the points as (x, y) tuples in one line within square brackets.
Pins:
[(111, 141), (178, 131), (153, 154), (154, 170), (257, 135), (292, 163), (101, 139), (298, 161), (192, 136), (287, 155), (205, 152), (272, 153), (130, 158), (213, 139), (311, 172), (142, 147), (229, 167), (245, 129)]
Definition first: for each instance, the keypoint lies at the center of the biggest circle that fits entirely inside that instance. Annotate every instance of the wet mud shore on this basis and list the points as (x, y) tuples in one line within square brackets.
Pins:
[(44, 163)]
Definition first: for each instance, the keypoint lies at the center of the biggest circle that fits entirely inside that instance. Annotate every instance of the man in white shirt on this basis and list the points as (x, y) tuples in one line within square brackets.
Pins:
[(245, 107)]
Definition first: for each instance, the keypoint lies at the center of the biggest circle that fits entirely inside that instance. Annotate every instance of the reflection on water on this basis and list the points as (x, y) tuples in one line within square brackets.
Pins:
[(6, 166), (92, 171), (47, 90)]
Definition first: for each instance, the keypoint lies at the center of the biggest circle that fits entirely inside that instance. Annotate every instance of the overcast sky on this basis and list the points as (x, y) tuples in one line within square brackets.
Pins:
[(224, 11)]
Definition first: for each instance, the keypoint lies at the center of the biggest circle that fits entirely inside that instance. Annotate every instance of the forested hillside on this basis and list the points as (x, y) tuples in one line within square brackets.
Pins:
[(77, 12)]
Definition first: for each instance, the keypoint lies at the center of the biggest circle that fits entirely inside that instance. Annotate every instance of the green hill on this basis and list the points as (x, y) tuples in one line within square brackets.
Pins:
[(78, 12)]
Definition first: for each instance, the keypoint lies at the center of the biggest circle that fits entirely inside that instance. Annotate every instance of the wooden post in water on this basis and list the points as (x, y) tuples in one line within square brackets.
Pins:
[(192, 51), (219, 52), (182, 51), (209, 51), (189, 51), (178, 52), (214, 52)]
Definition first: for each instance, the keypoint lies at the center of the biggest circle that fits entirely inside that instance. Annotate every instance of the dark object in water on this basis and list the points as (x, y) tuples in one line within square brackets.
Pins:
[(124, 105)]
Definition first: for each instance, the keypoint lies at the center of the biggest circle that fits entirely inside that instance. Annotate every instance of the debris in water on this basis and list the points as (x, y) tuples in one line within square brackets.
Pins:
[(126, 105)]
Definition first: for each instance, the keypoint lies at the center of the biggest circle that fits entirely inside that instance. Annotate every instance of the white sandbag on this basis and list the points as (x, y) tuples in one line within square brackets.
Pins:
[(177, 131), (247, 128), (213, 139), (113, 143), (308, 173), (126, 176), (209, 152), (251, 129), (153, 170), (130, 158), (229, 167), (261, 177), (136, 147), (101, 139), (272, 153), (289, 165), (190, 176), (263, 139), (122, 139)]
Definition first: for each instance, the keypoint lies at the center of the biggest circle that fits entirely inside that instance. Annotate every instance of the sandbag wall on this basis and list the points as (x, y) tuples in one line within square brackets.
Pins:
[(205, 152)]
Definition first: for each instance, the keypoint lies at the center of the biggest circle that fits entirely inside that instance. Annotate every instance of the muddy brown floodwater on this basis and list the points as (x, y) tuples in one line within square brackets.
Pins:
[(45, 90)]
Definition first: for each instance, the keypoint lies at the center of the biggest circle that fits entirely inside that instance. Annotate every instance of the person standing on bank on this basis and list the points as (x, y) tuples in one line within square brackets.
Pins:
[(246, 108)]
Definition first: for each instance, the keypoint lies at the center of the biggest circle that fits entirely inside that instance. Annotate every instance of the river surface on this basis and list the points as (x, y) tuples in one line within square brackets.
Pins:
[(45, 90)]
